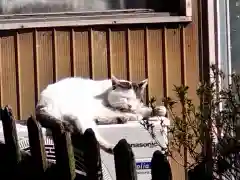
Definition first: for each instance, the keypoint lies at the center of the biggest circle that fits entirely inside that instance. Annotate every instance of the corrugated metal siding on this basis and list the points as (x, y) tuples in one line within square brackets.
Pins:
[(30, 59)]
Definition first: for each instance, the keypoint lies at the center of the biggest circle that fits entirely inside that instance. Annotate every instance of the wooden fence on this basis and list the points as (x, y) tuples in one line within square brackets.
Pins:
[(15, 163)]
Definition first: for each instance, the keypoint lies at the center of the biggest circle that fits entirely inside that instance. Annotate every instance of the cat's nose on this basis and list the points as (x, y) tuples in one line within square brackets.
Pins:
[(129, 106)]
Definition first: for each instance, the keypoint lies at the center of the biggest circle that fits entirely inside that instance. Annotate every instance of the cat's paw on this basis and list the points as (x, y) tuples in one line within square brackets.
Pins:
[(154, 118), (133, 117), (122, 120), (128, 117), (160, 111)]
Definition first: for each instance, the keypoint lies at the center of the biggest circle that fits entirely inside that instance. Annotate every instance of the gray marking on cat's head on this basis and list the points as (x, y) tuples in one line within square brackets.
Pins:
[(126, 95)]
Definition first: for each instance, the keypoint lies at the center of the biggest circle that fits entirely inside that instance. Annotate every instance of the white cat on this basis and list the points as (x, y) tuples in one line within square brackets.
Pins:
[(85, 102)]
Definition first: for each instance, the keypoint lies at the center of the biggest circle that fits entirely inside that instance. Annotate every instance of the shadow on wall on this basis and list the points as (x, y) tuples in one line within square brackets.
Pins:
[(42, 6)]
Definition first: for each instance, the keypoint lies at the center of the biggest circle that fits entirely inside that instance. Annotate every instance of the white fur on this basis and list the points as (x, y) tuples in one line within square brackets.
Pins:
[(78, 100)]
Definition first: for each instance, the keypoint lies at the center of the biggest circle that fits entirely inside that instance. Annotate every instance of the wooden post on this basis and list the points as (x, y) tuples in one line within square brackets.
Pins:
[(92, 159), (10, 136), (160, 167), (24, 169), (65, 161), (37, 147), (125, 164), (186, 8)]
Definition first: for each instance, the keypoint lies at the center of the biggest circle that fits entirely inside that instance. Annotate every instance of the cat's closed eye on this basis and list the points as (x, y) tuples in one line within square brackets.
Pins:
[(122, 84), (126, 85)]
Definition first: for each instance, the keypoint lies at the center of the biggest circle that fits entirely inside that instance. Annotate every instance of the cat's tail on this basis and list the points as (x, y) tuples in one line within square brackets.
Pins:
[(104, 145)]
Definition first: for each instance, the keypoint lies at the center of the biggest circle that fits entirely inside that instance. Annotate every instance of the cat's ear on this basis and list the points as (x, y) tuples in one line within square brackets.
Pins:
[(115, 81), (143, 84), (120, 83)]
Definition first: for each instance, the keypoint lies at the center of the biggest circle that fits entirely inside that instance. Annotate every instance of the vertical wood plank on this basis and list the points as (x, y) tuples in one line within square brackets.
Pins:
[(82, 62), (72, 51), (118, 53), (155, 64), (137, 45), (192, 60), (190, 42), (183, 77), (17, 62), (137, 54), (165, 64), (183, 55), (44, 58), (174, 77), (26, 73), (99, 54), (9, 71), (35, 64), (62, 53), (173, 59)]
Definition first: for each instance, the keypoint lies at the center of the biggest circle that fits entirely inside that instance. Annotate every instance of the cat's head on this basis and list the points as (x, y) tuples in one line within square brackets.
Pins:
[(126, 95)]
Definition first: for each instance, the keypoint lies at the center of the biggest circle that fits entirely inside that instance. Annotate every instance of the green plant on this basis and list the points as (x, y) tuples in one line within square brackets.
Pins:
[(206, 132)]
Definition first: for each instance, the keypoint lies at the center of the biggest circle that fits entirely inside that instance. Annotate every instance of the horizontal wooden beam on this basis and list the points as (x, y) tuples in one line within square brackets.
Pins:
[(61, 21)]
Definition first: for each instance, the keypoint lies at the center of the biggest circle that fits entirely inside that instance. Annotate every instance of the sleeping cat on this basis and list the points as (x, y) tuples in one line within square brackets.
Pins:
[(84, 103)]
